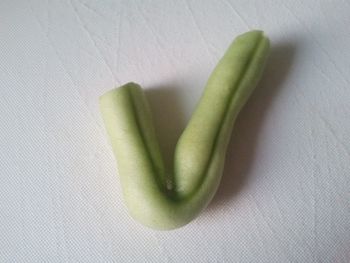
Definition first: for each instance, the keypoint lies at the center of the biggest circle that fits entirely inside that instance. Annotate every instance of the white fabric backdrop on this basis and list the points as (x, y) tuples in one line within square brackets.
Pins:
[(285, 194)]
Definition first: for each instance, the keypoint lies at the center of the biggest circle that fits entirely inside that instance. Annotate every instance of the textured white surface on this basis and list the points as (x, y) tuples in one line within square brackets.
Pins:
[(285, 195)]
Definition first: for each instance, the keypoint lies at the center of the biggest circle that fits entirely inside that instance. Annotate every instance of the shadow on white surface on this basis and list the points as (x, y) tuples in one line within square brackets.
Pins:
[(245, 138), (168, 116)]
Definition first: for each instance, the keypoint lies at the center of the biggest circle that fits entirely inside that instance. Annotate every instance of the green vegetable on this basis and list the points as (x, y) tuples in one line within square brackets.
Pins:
[(153, 197)]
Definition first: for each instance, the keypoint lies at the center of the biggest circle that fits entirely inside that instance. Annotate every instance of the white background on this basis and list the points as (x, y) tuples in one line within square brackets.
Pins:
[(285, 194)]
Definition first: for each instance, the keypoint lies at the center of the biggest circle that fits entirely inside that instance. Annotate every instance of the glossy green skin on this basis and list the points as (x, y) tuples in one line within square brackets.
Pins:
[(153, 197)]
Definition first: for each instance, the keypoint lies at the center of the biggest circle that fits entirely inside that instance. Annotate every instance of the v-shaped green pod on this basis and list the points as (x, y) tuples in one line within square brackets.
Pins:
[(153, 197)]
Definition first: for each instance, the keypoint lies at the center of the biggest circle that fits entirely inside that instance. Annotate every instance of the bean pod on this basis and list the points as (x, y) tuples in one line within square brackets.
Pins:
[(167, 201)]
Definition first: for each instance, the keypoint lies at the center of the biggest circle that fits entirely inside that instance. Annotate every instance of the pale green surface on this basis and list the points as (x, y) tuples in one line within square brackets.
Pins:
[(200, 152)]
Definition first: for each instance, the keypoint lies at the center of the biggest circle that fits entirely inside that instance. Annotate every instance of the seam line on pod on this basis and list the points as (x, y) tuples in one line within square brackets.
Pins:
[(222, 122), (143, 140)]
